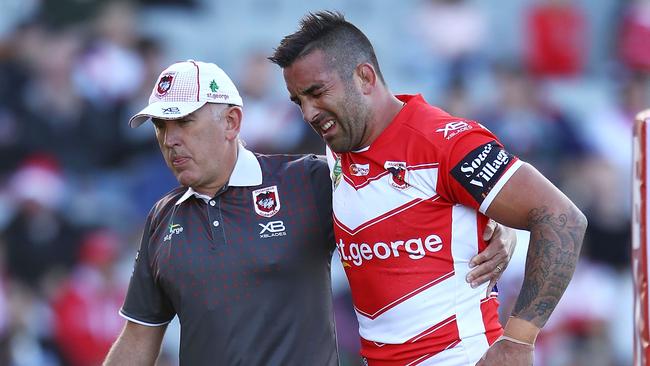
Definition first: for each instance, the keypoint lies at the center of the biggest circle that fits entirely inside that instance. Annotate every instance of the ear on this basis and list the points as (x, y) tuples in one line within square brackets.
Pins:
[(233, 119), (367, 77)]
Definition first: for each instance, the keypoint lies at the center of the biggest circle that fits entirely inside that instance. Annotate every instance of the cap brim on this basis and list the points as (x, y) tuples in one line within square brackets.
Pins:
[(164, 110)]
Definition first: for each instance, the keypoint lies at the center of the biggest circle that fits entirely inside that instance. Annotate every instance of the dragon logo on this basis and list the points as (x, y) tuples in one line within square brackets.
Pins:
[(398, 171), (164, 84), (266, 201)]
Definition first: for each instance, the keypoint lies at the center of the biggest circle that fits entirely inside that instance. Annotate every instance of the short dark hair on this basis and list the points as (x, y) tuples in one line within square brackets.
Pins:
[(344, 44)]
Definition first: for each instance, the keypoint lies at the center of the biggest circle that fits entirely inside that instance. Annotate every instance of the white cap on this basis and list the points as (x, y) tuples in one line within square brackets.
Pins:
[(184, 87)]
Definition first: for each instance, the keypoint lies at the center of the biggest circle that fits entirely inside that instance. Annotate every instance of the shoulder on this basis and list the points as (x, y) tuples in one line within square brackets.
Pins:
[(443, 129), (166, 202), (281, 164)]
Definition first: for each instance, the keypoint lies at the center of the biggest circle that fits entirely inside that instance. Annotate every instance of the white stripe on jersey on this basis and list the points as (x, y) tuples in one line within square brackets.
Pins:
[(465, 353), (464, 231), (448, 296), (411, 317), (497, 187), (379, 201)]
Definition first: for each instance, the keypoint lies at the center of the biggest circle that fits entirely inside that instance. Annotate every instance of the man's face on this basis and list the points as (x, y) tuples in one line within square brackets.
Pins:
[(335, 108), (194, 147)]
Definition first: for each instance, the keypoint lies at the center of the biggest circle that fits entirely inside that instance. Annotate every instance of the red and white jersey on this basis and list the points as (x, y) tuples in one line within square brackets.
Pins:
[(408, 217)]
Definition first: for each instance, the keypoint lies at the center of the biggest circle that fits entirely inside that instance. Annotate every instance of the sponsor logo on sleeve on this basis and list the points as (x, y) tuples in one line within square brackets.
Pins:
[(452, 129), (266, 201), (481, 169)]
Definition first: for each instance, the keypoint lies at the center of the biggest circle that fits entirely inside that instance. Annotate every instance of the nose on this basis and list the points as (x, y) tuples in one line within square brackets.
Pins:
[(309, 112), (172, 136)]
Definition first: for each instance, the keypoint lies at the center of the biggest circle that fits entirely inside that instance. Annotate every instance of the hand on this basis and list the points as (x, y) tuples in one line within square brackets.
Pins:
[(504, 352), (491, 262)]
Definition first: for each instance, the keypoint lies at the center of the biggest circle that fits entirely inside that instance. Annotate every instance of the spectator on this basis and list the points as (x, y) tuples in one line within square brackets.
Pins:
[(634, 36), (39, 238), (271, 124), (556, 45), (453, 32), (534, 129), (85, 311)]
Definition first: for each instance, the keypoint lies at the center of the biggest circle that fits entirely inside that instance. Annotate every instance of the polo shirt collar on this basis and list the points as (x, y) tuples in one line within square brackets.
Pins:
[(247, 173)]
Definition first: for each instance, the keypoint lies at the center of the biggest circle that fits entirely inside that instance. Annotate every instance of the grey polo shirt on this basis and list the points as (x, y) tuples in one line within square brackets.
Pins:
[(247, 271)]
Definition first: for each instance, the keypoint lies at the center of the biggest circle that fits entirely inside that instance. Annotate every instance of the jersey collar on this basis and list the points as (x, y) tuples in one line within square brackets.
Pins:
[(247, 173)]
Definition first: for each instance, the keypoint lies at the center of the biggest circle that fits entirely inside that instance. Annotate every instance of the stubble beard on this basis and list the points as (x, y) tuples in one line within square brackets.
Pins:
[(353, 123)]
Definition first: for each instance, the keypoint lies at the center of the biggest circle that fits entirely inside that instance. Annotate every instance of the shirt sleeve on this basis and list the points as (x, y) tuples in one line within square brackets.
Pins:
[(146, 302), (475, 167)]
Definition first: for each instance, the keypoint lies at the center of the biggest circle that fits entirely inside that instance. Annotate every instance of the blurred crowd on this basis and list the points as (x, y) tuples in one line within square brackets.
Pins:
[(76, 183)]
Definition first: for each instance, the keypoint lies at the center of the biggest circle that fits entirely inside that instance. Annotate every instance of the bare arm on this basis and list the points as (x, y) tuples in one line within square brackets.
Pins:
[(137, 345), (529, 201)]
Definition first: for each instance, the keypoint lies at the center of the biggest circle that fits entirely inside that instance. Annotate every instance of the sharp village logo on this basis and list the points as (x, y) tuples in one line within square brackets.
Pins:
[(266, 201)]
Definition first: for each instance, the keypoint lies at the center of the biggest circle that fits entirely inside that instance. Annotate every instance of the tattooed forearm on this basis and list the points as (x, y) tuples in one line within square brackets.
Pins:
[(555, 241)]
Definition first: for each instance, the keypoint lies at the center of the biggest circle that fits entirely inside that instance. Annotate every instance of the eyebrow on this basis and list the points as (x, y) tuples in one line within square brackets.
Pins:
[(309, 90), (312, 88)]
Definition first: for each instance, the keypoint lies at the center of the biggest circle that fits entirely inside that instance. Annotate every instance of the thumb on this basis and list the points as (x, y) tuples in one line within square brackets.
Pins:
[(490, 229)]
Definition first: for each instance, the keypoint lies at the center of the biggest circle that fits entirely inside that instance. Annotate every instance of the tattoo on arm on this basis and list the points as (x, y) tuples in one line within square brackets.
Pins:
[(555, 241)]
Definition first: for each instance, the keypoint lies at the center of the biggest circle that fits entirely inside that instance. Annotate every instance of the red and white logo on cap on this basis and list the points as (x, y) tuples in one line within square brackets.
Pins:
[(266, 201), (165, 83)]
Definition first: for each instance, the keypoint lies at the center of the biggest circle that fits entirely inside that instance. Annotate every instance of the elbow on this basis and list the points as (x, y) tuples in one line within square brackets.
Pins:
[(581, 220), (579, 225)]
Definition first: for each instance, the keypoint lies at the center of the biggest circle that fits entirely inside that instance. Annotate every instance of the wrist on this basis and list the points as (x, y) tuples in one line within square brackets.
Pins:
[(521, 330)]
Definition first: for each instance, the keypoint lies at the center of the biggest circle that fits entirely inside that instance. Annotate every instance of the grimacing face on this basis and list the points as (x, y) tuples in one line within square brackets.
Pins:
[(334, 107), (194, 147)]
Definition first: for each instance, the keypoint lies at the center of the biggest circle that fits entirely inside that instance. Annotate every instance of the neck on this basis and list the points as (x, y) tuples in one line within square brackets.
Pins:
[(226, 167), (386, 107)]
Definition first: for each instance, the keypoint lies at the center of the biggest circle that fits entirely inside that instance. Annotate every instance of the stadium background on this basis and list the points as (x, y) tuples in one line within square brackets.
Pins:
[(558, 81)]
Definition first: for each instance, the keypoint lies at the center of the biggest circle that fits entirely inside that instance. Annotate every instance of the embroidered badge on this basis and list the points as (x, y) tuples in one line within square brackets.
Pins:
[(398, 171), (266, 201)]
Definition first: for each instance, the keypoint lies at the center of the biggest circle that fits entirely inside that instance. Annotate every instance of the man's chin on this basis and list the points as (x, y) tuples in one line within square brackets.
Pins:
[(338, 147), (184, 179)]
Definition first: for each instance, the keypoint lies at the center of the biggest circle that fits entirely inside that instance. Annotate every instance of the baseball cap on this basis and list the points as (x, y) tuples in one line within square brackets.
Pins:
[(184, 87)]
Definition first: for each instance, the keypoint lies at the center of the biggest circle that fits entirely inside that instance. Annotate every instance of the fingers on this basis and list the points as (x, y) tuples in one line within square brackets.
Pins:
[(480, 258), (497, 250), (490, 229), (493, 260), (487, 271)]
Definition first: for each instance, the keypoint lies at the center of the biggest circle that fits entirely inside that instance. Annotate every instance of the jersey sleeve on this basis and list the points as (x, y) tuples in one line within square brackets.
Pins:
[(146, 303), (474, 167)]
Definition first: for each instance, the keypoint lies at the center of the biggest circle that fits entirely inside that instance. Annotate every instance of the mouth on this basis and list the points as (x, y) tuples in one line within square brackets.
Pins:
[(179, 161), (327, 128)]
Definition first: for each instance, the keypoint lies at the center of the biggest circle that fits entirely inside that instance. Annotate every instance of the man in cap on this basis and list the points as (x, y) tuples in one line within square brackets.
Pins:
[(241, 251)]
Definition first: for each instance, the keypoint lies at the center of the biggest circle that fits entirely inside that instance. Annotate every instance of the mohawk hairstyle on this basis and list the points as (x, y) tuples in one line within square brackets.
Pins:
[(344, 45)]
